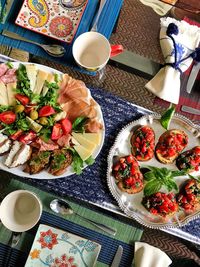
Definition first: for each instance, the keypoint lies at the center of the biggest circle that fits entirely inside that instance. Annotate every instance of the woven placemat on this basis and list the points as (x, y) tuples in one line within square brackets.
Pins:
[(72, 224)]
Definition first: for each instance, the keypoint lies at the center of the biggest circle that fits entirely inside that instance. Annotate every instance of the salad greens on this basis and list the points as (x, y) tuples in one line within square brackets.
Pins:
[(160, 177), (78, 124)]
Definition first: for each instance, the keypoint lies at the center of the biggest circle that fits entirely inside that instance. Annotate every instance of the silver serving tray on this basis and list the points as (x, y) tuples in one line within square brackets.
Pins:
[(131, 204)]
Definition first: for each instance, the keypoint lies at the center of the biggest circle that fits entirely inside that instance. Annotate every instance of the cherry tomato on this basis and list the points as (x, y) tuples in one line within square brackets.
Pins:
[(28, 137), (23, 99), (66, 125), (46, 111), (130, 158), (56, 132), (8, 117), (16, 135)]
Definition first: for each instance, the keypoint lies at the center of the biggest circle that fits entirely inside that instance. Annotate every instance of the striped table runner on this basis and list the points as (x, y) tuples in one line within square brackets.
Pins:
[(126, 233)]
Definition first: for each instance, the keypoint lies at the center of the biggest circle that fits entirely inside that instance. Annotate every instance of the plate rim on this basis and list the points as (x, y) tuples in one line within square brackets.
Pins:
[(48, 176), (115, 194)]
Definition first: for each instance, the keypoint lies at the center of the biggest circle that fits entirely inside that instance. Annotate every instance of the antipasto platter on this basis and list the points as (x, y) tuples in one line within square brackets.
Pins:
[(50, 125), (153, 173)]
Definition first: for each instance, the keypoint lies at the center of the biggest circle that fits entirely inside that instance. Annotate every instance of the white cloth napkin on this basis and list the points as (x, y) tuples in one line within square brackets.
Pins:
[(160, 8), (148, 256), (166, 83)]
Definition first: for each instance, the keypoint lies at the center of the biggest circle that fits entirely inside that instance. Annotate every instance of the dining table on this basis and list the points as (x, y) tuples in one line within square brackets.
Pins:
[(123, 98)]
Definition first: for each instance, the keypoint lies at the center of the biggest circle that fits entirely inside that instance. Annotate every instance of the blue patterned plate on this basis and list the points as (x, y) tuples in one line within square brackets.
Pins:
[(55, 248)]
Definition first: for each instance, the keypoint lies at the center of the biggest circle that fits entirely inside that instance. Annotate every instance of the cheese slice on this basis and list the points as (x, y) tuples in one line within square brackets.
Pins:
[(41, 77), (50, 79), (84, 142), (11, 93), (3, 94), (83, 152), (93, 137), (32, 75)]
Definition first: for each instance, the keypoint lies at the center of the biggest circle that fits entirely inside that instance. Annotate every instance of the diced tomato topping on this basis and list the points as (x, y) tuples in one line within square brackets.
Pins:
[(28, 137), (7, 117), (116, 167), (130, 158), (23, 99), (56, 132), (66, 125), (46, 111), (16, 135)]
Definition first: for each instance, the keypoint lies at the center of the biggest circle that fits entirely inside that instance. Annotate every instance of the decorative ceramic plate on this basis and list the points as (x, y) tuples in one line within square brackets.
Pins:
[(58, 19), (44, 174), (131, 204), (53, 247)]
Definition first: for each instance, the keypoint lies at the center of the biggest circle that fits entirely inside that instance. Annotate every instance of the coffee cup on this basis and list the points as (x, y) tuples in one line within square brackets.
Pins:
[(20, 210), (92, 50)]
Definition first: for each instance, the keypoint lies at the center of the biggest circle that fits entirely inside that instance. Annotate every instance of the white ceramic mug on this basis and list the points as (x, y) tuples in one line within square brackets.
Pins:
[(92, 50), (20, 210)]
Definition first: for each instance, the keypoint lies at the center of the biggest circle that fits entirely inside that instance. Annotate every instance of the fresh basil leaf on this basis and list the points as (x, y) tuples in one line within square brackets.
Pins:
[(152, 187), (149, 176), (171, 184), (90, 160), (178, 173)]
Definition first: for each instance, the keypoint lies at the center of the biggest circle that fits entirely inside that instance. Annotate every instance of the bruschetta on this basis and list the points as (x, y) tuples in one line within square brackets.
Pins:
[(61, 159), (161, 204), (143, 143), (189, 160), (170, 144), (189, 197), (127, 174)]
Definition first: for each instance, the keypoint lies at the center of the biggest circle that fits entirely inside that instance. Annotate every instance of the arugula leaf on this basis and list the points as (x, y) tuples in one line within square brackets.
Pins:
[(78, 124), (10, 65), (51, 96), (90, 160), (77, 163), (4, 108), (45, 134)]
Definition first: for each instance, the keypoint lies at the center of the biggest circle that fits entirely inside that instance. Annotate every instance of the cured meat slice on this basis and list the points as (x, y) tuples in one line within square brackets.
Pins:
[(3, 69)]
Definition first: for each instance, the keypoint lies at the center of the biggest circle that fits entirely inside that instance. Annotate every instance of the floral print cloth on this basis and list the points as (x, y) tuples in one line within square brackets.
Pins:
[(55, 248)]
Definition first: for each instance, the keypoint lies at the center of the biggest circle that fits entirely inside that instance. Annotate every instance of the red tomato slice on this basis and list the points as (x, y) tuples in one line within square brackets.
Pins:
[(46, 111), (23, 99), (66, 125), (16, 135), (28, 137), (56, 132), (7, 117)]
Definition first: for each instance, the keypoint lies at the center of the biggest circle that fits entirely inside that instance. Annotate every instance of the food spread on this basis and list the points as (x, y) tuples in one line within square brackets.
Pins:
[(158, 190), (47, 120)]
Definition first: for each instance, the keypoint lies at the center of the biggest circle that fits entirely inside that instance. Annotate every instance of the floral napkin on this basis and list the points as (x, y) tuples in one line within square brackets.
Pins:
[(148, 256), (55, 248), (179, 43)]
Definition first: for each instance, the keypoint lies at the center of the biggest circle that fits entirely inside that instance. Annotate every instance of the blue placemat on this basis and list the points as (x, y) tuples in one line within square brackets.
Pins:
[(105, 26)]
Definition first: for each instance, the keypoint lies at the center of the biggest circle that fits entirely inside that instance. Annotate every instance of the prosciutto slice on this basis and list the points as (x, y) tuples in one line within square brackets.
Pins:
[(9, 76), (3, 69)]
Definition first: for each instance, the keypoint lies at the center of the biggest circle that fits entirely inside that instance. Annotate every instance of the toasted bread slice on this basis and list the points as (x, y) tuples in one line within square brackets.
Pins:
[(131, 190), (143, 143), (170, 144)]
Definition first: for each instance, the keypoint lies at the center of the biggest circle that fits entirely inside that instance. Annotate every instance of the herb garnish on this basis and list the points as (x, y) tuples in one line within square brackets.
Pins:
[(158, 177)]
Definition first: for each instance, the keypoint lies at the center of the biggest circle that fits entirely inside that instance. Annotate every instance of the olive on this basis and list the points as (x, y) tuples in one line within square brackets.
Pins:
[(19, 108), (33, 114), (43, 121)]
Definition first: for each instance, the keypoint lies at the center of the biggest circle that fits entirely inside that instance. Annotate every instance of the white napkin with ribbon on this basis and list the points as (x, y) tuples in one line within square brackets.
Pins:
[(148, 256), (166, 83), (159, 7)]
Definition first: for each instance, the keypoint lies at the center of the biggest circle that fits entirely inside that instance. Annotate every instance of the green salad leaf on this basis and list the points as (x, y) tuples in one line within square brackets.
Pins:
[(160, 177), (78, 124)]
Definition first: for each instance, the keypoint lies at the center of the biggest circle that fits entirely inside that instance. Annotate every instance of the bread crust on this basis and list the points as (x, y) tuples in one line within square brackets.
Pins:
[(166, 144)]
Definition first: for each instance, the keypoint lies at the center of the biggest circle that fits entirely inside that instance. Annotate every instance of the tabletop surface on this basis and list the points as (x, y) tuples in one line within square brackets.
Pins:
[(145, 25)]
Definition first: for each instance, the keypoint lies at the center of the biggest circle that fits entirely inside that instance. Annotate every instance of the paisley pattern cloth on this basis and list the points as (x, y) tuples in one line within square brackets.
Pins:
[(166, 83)]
